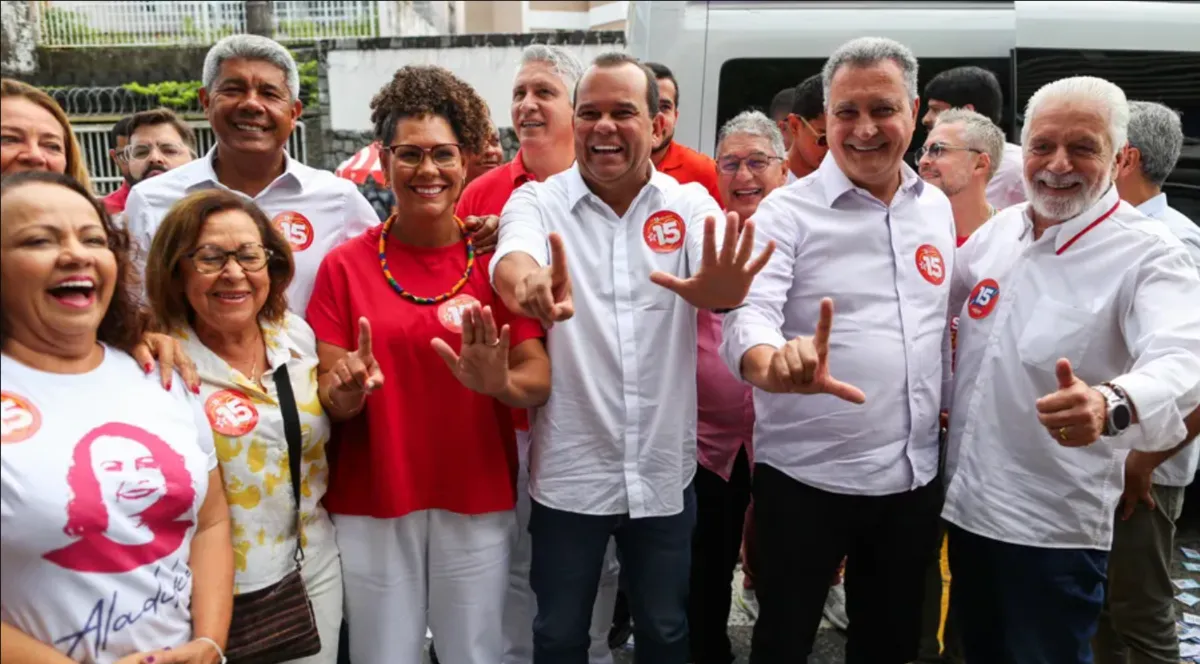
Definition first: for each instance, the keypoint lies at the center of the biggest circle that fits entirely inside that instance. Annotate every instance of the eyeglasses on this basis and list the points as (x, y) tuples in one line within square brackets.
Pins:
[(445, 155), (936, 150), (822, 140), (211, 259), (142, 150), (755, 163)]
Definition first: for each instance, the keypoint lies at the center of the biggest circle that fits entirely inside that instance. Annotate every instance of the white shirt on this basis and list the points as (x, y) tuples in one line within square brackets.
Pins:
[(1007, 186), (251, 444), (1115, 297), (887, 269), (314, 209), (618, 434), (103, 475), (1180, 469)]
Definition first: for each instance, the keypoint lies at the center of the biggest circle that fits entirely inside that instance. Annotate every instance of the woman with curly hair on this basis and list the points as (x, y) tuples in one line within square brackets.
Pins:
[(421, 363)]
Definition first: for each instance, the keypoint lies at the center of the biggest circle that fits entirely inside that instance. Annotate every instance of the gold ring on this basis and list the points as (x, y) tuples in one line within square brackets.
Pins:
[(1062, 433)]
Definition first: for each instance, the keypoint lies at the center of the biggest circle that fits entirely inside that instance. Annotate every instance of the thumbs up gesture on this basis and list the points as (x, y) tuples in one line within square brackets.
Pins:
[(545, 294), (1075, 413), (356, 374)]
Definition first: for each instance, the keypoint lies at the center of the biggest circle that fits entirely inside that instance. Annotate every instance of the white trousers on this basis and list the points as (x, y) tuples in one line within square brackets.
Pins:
[(322, 572), (520, 605), (434, 569)]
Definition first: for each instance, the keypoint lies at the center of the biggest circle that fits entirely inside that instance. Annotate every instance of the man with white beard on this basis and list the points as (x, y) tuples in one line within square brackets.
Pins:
[(1079, 339)]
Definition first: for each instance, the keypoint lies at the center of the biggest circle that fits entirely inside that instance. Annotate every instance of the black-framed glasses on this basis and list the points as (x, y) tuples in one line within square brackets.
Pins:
[(822, 140), (936, 150), (444, 155), (211, 259), (755, 163)]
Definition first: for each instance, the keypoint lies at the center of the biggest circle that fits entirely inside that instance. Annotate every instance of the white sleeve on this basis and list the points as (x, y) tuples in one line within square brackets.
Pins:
[(703, 207), (204, 434), (1162, 332), (522, 229), (360, 216), (759, 320)]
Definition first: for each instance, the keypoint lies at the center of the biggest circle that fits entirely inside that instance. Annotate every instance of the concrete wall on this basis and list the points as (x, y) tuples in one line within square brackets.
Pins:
[(18, 46), (352, 71)]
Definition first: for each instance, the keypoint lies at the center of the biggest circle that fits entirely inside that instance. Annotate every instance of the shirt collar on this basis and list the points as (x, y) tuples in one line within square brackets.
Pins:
[(577, 189), (517, 172), (206, 175), (281, 349), (672, 158), (836, 184), (1154, 207), (1074, 227)]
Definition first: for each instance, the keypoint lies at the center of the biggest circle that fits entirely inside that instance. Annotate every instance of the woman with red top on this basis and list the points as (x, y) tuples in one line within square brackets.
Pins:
[(422, 364)]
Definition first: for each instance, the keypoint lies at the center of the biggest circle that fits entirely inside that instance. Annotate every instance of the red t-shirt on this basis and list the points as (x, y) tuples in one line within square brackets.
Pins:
[(486, 195), (686, 165), (423, 440)]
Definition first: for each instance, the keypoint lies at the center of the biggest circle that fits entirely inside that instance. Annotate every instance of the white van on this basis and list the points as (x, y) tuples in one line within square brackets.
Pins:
[(729, 55)]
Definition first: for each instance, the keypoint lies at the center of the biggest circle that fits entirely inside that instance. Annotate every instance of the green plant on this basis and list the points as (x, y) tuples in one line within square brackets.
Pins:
[(177, 95)]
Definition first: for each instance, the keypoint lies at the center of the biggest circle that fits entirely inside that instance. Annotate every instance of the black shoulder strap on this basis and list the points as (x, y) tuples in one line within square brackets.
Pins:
[(291, 430)]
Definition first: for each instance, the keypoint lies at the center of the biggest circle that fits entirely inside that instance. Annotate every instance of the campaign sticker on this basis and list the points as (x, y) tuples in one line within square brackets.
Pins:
[(19, 419), (983, 298), (450, 313), (231, 413), (930, 264), (295, 228), (664, 232)]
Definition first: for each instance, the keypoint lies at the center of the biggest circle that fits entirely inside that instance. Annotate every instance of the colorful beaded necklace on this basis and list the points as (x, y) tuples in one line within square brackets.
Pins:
[(417, 299)]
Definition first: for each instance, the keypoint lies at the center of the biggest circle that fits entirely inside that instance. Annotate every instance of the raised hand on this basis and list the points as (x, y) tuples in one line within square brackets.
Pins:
[(356, 374), (1074, 414), (724, 278), (801, 366), (545, 294), (482, 363)]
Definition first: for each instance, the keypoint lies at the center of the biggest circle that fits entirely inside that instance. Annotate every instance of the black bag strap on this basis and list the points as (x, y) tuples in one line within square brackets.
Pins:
[(291, 430)]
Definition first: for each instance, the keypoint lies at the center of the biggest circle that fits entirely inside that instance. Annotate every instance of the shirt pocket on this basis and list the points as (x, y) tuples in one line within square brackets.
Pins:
[(1055, 330)]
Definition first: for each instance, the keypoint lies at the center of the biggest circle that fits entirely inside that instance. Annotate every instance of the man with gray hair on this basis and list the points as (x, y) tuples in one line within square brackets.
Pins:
[(750, 165), (251, 97), (842, 472), (1138, 623), (541, 113), (1079, 340)]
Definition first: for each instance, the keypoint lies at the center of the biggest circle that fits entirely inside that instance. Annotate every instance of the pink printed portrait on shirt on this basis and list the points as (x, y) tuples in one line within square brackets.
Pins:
[(129, 488)]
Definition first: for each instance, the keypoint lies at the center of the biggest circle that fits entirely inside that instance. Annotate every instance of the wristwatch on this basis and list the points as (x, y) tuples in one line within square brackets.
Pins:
[(1120, 414)]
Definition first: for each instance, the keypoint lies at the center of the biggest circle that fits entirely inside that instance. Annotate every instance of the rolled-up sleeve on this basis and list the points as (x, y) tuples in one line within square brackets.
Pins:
[(760, 320), (1161, 327), (522, 229)]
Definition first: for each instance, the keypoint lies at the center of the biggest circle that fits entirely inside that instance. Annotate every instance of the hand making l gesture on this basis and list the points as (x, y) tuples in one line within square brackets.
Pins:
[(801, 366), (545, 294), (356, 374)]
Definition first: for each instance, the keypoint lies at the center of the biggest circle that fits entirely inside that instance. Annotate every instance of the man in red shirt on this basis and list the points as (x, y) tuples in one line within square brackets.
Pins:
[(806, 127), (115, 202), (679, 161), (543, 118)]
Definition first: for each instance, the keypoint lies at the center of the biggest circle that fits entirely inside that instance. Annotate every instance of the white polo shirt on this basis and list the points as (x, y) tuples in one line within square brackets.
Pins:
[(1007, 186), (314, 209), (1113, 292), (618, 434), (888, 269), (1180, 469)]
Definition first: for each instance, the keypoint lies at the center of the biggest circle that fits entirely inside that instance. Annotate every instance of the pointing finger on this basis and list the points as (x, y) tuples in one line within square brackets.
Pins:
[(558, 259), (824, 325), (364, 337)]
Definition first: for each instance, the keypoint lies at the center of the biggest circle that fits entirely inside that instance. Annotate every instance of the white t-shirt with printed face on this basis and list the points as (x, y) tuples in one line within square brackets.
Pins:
[(103, 475)]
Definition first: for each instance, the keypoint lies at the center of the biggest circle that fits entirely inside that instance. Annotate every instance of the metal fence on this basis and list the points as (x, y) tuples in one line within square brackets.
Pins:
[(94, 141), (159, 23)]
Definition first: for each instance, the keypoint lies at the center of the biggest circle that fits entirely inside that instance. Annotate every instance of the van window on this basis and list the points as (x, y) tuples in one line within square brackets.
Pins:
[(752, 82)]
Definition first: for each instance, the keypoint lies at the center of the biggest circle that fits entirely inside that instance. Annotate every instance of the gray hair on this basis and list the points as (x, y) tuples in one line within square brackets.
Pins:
[(1157, 133), (753, 123), (566, 65), (979, 133), (1084, 89), (868, 51), (251, 47)]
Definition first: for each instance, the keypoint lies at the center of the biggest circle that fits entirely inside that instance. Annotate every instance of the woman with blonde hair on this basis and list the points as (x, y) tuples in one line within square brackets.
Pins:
[(35, 134)]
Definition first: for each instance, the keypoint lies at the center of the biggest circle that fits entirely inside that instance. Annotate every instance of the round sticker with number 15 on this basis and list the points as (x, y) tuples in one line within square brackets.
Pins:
[(664, 232)]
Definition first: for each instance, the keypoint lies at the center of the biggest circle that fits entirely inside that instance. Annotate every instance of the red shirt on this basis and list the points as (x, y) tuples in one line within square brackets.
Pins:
[(686, 165), (486, 195), (423, 441), (115, 202)]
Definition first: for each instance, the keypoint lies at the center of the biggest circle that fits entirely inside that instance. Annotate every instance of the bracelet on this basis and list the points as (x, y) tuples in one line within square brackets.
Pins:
[(220, 653)]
